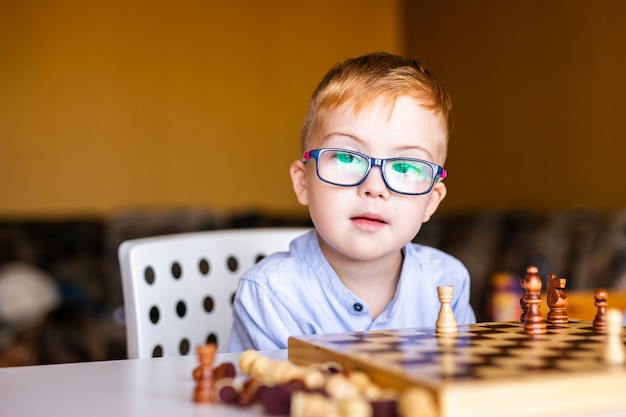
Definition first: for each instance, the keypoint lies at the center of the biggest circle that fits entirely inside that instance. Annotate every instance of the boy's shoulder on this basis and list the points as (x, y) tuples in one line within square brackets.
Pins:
[(286, 262), (432, 257)]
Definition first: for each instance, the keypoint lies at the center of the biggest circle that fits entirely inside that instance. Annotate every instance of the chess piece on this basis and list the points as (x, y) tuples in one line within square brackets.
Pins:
[(275, 400), (203, 374), (311, 404), (226, 390), (246, 359), (523, 303), (384, 407), (601, 298), (224, 370), (534, 324), (446, 322), (418, 401), (556, 300), (614, 351), (247, 394)]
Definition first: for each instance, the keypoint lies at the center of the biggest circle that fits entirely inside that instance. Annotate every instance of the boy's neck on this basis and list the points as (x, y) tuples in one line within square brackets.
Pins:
[(375, 282)]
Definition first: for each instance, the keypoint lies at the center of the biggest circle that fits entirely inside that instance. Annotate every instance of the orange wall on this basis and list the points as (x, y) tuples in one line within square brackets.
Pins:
[(107, 105), (540, 97), (117, 104)]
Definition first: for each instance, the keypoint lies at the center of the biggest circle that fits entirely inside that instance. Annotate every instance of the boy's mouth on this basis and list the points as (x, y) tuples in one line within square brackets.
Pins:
[(369, 218)]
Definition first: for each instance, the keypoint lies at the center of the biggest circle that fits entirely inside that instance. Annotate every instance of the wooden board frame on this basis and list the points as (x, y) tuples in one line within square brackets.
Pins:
[(483, 370)]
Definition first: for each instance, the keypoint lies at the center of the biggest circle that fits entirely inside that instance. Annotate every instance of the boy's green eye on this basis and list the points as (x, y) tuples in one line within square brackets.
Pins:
[(404, 167), (345, 158), (409, 169)]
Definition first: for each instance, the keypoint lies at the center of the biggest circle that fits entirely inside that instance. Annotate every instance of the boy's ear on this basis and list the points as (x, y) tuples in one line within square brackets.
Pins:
[(437, 194), (297, 170)]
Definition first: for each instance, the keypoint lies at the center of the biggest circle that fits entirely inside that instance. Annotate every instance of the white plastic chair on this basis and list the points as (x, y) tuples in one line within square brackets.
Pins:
[(178, 289)]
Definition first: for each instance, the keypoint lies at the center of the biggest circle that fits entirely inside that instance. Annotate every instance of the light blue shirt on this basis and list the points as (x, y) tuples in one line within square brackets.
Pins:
[(296, 293)]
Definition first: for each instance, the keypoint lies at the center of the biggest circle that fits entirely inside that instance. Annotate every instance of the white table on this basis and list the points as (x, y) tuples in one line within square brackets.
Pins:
[(138, 388)]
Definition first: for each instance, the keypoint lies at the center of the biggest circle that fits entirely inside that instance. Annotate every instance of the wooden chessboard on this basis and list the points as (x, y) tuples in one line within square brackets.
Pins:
[(483, 370)]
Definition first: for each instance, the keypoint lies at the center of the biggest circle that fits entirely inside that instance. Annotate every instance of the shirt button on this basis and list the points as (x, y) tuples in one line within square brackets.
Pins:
[(358, 307)]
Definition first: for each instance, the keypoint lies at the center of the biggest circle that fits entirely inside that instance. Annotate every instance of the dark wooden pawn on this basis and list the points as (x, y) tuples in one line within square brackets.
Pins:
[(534, 323), (601, 300)]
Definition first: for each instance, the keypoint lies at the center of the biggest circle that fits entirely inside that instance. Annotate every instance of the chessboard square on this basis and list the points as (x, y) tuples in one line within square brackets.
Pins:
[(356, 346), (505, 335), (464, 333), (372, 335), (590, 344), (448, 342), (410, 341), (546, 348), (395, 343), (474, 360), (486, 332), (401, 358), (452, 370), (484, 350), (508, 326), (410, 332), (425, 372), (339, 338), (499, 342), (559, 344), (567, 330), (596, 338), (500, 328), (535, 353), (566, 337), (499, 372), (584, 354), (418, 349), (529, 362), (477, 326), (589, 363)]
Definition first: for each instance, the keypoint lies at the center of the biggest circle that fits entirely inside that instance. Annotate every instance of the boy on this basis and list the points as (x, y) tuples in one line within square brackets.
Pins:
[(358, 269)]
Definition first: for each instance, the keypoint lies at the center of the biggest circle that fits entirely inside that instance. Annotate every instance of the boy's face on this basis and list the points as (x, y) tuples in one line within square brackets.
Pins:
[(368, 221)]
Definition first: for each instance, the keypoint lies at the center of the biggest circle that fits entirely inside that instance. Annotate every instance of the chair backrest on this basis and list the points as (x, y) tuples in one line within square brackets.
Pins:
[(178, 289)]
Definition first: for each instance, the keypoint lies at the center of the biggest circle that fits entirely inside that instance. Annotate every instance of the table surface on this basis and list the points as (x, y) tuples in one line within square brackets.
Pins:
[(137, 387)]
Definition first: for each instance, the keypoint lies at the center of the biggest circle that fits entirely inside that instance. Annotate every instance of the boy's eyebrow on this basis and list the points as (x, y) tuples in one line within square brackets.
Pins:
[(331, 134), (359, 140)]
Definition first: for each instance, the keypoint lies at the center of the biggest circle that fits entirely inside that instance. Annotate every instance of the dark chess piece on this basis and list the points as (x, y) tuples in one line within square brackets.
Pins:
[(522, 301), (556, 300), (203, 374), (600, 297), (534, 323)]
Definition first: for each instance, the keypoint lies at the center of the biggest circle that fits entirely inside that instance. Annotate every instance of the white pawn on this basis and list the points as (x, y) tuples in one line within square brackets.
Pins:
[(446, 322), (614, 350)]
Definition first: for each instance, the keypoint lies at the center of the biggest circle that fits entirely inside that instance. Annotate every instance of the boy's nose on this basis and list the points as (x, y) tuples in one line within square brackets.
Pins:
[(374, 184)]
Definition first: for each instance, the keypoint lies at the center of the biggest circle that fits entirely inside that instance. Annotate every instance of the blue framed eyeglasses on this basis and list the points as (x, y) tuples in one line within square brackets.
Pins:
[(347, 168)]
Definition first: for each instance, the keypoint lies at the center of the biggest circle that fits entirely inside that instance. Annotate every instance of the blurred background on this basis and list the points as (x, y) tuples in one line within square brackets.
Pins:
[(122, 104), (122, 119)]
